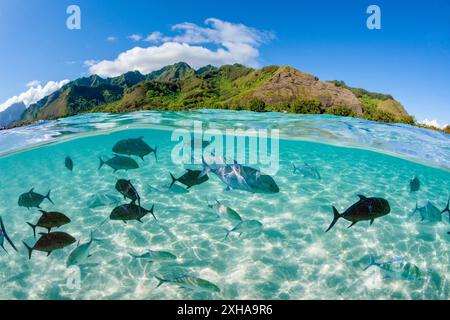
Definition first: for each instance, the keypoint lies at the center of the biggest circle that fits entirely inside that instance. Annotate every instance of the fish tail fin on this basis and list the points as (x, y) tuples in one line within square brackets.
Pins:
[(372, 262), (33, 226), (48, 197), (6, 235), (101, 163), (295, 168), (336, 217), (161, 281), (30, 250), (447, 208), (93, 238), (414, 211), (156, 156), (152, 212), (173, 180), (206, 169), (319, 177), (227, 235)]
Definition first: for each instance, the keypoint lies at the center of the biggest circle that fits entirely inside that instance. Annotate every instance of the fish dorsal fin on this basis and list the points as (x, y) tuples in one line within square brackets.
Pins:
[(141, 138), (44, 213), (361, 197), (189, 170), (31, 190)]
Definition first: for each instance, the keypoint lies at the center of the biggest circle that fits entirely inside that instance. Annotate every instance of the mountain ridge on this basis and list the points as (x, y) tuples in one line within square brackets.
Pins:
[(237, 87), (12, 114)]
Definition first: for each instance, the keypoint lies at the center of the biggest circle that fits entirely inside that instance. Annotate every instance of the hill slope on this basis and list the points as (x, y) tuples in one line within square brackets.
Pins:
[(179, 87), (11, 114)]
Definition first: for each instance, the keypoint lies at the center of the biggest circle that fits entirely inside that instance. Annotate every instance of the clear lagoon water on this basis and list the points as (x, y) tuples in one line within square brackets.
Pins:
[(290, 258)]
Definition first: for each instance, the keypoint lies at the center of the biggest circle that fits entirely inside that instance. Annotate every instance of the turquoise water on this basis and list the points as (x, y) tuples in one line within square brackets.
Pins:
[(290, 258)]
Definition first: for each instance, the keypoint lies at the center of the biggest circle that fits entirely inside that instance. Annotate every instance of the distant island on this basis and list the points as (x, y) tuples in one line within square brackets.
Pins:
[(235, 87)]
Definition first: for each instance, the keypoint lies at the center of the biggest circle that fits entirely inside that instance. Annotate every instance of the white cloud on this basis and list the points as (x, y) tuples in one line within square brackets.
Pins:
[(34, 93), (90, 63), (135, 37), (433, 123), (111, 39), (233, 43), (33, 83), (155, 36)]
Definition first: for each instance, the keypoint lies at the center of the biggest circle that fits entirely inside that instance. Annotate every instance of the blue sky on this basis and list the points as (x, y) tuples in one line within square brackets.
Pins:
[(408, 58)]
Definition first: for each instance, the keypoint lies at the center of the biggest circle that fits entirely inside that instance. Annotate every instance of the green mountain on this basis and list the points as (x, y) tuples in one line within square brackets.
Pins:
[(180, 87)]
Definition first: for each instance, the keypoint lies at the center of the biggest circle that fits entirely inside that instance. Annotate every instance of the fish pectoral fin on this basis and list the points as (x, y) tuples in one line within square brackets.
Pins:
[(353, 223), (371, 221), (49, 253), (3, 247), (139, 220)]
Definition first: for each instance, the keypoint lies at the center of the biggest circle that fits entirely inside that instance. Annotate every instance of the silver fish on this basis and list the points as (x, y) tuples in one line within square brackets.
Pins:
[(81, 253), (225, 212), (246, 226), (398, 268), (192, 283), (155, 256), (307, 171), (429, 212)]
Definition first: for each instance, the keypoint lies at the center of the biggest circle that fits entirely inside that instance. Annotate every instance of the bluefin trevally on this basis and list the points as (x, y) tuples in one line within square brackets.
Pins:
[(49, 242), (366, 209), (190, 179), (4, 236), (68, 162), (239, 177), (119, 163), (50, 220), (128, 212), (414, 185), (134, 147), (126, 188), (32, 199)]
